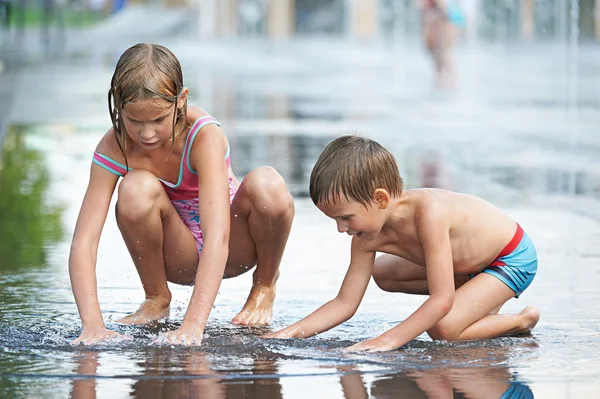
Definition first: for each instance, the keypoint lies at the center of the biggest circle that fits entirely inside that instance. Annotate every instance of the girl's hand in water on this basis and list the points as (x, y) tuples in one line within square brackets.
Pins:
[(95, 335), (182, 336)]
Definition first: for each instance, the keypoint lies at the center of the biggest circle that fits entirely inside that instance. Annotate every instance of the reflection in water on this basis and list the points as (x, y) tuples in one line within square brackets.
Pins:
[(293, 156), (187, 373), (353, 385), (440, 383), (268, 388), (28, 225), (87, 367), (470, 370), (490, 379), (232, 364), (451, 167), (434, 383), (192, 364)]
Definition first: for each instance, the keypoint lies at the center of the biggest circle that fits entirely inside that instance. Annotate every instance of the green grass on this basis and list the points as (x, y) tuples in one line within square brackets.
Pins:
[(71, 18)]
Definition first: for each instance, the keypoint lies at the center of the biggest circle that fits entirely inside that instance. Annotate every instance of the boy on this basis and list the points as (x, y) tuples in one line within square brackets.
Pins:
[(460, 250)]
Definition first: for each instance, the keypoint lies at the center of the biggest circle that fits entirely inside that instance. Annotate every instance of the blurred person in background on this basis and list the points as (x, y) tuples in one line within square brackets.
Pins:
[(442, 21)]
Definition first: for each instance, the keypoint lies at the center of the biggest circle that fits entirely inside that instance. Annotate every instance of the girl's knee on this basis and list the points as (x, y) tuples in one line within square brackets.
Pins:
[(137, 194), (268, 192)]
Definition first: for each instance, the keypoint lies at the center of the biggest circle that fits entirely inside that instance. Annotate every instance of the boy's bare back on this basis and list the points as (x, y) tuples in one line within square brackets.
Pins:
[(478, 230)]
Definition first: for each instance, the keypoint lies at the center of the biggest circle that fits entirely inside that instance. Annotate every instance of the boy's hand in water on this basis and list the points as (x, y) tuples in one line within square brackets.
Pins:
[(282, 334), (182, 336), (95, 335), (372, 345)]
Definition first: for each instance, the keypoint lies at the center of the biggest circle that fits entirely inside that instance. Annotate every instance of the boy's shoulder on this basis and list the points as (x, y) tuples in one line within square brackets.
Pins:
[(450, 209), (431, 207), (431, 201)]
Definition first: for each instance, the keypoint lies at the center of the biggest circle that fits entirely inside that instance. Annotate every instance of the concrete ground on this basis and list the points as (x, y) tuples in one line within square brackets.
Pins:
[(520, 132)]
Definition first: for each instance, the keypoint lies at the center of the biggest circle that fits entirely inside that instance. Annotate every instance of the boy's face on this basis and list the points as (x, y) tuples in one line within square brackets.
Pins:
[(354, 218)]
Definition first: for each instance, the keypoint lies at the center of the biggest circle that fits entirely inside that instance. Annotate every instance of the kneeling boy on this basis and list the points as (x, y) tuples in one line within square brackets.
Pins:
[(468, 256)]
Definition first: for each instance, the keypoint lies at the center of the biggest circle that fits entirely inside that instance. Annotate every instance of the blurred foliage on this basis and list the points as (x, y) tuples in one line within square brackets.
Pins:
[(32, 16), (27, 223)]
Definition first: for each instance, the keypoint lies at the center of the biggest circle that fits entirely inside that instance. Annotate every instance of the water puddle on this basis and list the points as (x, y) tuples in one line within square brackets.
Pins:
[(38, 318)]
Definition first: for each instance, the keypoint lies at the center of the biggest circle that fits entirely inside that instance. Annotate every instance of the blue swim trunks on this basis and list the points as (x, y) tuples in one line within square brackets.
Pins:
[(516, 264), (455, 14), (517, 391)]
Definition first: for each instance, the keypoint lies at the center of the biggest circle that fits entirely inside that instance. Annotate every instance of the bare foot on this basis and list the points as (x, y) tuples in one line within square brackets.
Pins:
[(258, 309), (152, 309), (531, 316)]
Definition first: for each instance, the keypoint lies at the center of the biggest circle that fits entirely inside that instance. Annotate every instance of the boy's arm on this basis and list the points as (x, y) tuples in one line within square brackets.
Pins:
[(434, 233), (344, 305)]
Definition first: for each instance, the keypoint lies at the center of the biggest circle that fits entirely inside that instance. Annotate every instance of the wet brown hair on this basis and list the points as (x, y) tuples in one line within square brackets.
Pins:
[(145, 72), (354, 167)]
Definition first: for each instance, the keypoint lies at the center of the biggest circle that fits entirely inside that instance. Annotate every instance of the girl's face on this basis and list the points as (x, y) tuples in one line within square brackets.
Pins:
[(149, 123)]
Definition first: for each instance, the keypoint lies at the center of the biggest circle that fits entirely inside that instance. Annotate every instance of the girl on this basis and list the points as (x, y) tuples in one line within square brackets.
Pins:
[(183, 214)]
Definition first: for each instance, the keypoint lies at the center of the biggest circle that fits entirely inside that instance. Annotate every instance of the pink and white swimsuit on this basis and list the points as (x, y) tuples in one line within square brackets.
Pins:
[(183, 194)]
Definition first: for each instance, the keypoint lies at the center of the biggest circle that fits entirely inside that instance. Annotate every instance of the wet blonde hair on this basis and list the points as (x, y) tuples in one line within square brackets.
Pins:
[(354, 167), (145, 72)]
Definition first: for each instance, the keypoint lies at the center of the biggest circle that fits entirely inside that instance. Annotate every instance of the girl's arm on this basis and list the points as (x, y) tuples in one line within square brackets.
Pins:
[(84, 248), (207, 158), (344, 305)]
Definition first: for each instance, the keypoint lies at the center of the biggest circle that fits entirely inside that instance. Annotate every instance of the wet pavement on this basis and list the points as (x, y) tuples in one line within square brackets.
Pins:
[(521, 132)]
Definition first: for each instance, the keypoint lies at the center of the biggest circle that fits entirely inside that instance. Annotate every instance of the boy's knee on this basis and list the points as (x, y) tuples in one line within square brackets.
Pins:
[(382, 279), (268, 192), (137, 194), (444, 331)]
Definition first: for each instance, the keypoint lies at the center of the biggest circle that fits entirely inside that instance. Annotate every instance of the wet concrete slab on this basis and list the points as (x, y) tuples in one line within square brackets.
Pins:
[(517, 134)]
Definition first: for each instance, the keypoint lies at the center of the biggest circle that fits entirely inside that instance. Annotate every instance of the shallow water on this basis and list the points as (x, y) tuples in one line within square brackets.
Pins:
[(521, 149)]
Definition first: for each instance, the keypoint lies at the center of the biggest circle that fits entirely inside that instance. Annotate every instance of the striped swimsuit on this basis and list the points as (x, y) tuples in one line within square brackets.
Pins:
[(183, 194)]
